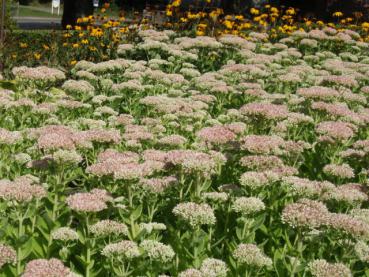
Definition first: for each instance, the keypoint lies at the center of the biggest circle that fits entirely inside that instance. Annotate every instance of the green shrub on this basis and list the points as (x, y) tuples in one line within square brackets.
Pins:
[(32, 48), (9, 22)]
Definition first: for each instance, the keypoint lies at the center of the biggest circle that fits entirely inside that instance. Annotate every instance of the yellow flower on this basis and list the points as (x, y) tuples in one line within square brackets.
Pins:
[(239, 17), (319, 22), (337, 14), (92, 48), (77, 28), (246, 25), (228, 24), (75, 45), (200, 33), (176, 3), (37, 56), (103, 10), (290, 11), (65, 44), (254, 11), (264, 15), (84, 41), (81, 35), (193, 15), (274, 15), (14, 56), (73, 62), (169, 13), (23, 45), (274, 10), (68, 27), (45, 47), (96, 32)]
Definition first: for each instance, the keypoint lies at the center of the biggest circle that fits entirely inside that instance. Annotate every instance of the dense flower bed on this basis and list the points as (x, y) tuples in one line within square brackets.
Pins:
[(95, 38), (190, 157)]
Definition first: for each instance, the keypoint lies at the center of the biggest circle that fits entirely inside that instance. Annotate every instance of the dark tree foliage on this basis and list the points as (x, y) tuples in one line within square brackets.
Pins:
[(74, 9)]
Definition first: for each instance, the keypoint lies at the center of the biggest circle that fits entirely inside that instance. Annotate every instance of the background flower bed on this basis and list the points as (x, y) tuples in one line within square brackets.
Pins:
[(96, 38)]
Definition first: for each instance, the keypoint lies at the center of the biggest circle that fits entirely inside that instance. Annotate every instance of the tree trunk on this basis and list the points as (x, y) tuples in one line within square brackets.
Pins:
[(227, 6), (75, 9), (321, 9)]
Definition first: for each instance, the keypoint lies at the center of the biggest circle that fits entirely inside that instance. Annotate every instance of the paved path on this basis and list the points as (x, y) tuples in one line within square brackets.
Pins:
[(31, 23)]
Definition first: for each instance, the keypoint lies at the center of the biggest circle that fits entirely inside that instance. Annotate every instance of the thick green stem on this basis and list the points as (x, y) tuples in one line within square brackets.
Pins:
[(34, 218), (55, 207), (19, 248), (130, 197), (88, 249)]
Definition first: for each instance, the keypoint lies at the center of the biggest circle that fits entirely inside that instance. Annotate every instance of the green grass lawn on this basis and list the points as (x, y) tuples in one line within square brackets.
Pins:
[(25, 11)]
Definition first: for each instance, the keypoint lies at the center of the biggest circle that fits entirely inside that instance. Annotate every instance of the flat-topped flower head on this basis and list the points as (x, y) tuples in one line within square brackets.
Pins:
[(152, 226), (342, 171), (9, 137), (211, 267), (248, 205), (321, 268), (7, 255), (66, 157), (157, 251), (195, 214), (318, 92), (251, 255), (65, 234), (125, 249), (23, 189), (256, 180), (362, 251), (46, 268), (158, 185), (93, 201), (266, 110), (191, 272), (306, 213), (307, 188), (41, 74), (80, 86), (215, 196), (336, 130), (262, 144), (108, 227), (348, 224), (216, 135)]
